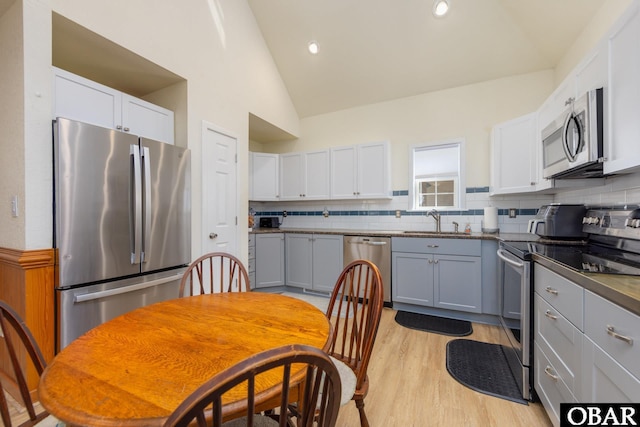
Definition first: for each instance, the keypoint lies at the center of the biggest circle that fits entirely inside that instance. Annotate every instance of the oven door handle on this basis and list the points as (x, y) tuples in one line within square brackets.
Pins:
[(502, 256)]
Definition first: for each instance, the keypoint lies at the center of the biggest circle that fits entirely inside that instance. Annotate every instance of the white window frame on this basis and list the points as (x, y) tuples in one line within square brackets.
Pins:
[(459, 179)]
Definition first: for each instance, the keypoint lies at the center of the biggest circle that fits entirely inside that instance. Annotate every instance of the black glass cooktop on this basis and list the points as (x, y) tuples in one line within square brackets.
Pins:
[(588, 257)]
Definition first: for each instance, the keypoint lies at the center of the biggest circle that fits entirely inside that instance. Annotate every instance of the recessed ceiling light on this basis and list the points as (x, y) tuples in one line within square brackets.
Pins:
[(440, 8), (313, 47)]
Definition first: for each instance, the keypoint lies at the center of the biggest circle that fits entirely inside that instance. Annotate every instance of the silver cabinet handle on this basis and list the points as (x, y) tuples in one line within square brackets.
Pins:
[(430, 261), (612, 331), (551, 290), (433, 246), (126, 129), (550, 316), (119, 127), (550, 373), (213, 235), (435, 261)]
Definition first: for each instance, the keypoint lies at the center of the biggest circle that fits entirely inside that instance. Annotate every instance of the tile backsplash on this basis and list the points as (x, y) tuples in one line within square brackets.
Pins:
[(392, 214)]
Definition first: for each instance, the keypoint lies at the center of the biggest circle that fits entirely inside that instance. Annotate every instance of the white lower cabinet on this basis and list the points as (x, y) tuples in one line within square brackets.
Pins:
[(442, 273), (586, 347), (313, 261), (611, 353), (269, 260), (558, 323)]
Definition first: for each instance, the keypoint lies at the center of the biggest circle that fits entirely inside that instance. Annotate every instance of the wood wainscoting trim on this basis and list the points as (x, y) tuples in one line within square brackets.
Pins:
[(27, 284)]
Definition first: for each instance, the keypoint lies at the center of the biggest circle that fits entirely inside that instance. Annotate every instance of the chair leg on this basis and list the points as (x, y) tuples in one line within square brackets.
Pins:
[(364, 422)]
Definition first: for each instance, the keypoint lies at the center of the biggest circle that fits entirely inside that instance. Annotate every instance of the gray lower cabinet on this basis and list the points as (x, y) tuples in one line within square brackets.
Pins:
[(251, 267), (313, 261), (269, 260), (442, 273)]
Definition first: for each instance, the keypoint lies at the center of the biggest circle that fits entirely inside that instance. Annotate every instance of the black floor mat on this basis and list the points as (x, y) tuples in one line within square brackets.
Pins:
[(435, 324), (482, 367)]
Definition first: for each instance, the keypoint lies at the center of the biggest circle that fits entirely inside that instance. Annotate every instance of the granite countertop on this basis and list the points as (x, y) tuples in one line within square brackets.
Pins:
[(524, 237)]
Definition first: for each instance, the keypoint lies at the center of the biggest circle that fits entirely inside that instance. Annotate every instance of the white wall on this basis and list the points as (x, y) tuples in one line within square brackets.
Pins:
[(214, 44), (466, 111), (12, 230)]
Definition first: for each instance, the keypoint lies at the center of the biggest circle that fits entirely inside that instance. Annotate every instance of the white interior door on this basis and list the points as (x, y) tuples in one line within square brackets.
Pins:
[(219, 190)]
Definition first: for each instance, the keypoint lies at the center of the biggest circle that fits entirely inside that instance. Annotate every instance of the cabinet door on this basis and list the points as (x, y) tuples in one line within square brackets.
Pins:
[(592, 72), (317, 175), (80, 99), (264, 176), (299, 260), (343, 172), (624, 94), (143, 118), (292, 176), (604, 379), (513, 155), (327, 261), (458, 284), (412, 278), (269, 260), (373, 170)]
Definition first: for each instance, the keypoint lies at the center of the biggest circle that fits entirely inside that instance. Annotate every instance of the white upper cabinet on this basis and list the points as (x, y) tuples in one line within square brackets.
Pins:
[(81, 99), (263, 179), (590, 73), (305, 175), (146, 119), (623, 154), (361, 171), (513, 155)]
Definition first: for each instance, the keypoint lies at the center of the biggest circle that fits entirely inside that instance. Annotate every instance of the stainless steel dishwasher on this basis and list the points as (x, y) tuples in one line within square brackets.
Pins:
[(374, 249)]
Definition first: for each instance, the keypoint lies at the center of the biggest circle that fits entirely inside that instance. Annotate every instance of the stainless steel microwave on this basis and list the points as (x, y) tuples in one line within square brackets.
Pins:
[(573, 144)]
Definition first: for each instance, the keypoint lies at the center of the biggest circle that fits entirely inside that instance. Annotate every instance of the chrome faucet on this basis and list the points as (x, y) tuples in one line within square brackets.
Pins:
[(434, 213), (455, 225)]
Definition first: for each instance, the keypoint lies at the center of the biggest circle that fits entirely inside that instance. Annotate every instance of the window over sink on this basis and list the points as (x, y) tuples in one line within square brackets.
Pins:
[(437, 171)]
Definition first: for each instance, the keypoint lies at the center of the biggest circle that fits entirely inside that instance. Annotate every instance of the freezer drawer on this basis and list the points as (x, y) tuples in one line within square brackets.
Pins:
[(83, 308)]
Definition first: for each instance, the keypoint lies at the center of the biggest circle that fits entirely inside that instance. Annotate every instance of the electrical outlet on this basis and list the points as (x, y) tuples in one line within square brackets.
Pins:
[(284, 214), (512, 212), (398, 214)]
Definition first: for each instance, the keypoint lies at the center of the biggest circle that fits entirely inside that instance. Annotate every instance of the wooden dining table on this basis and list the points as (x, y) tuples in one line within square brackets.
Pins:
[(134, 370)]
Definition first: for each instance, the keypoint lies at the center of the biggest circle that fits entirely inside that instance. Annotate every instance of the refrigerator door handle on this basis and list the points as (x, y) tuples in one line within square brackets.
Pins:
[(135, 205), (146, 165), (125, 289)]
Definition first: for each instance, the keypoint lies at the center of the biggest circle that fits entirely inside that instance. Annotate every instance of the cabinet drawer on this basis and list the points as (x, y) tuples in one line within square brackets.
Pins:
[(558, 337), (605, 380), (550, 386), (564, 295), (600, 315), (437, 246), (252, 240)]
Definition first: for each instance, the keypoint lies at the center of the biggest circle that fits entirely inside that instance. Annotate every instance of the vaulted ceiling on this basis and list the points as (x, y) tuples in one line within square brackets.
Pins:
[(377, 50)]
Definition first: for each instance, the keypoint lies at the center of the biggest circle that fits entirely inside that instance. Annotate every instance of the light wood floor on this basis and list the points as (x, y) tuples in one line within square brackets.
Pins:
[(410, 385)]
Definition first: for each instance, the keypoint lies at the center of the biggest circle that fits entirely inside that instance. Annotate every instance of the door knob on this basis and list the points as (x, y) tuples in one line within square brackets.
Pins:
[(213, 235)]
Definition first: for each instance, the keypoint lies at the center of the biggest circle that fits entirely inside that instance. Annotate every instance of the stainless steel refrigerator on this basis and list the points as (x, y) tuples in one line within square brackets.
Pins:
[(122, 227)]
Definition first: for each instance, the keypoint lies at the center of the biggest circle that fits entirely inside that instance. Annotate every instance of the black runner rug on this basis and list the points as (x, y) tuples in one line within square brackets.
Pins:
[(435, 324), (482, 367)]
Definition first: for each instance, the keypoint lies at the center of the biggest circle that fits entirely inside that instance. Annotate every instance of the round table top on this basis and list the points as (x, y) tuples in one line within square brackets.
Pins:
[(136, 369)]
